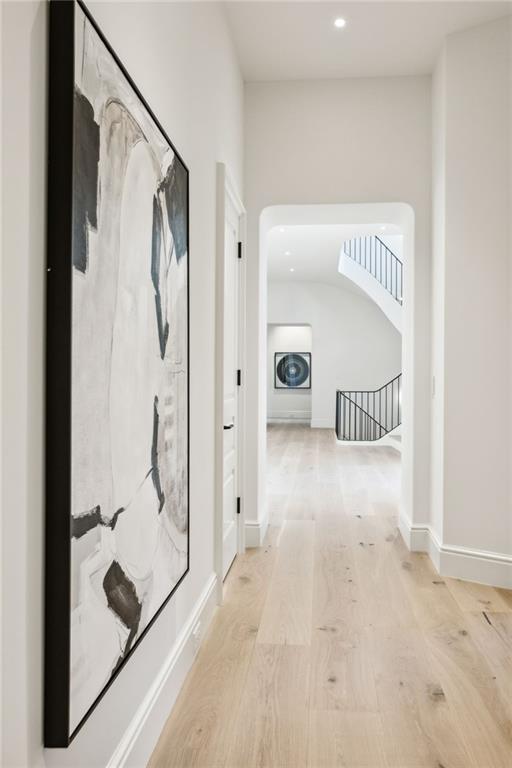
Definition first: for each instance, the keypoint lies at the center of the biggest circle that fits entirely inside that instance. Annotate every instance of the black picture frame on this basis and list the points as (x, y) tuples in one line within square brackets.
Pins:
[(293, 389), (58, 373)]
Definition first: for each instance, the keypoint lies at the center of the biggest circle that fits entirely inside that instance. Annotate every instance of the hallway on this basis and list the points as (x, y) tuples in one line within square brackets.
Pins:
[(335, 646)]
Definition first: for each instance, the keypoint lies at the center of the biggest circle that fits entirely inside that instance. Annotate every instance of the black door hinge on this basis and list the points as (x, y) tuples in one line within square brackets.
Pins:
[(239, 249), (238, 505), (239, 378)]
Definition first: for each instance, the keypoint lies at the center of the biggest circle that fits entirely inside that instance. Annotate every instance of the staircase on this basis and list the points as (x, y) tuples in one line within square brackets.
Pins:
[(372, 266), (369, 415), (374, 256)]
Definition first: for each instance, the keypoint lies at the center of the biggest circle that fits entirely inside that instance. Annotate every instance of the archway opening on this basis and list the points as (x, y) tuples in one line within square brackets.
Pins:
[(351, 221)]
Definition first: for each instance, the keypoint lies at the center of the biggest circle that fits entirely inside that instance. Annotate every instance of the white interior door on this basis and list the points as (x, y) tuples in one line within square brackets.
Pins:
[(231, 431)]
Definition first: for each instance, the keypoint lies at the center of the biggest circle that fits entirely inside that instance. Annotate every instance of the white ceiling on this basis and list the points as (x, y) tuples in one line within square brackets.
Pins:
[(298, 41), (312, 252)]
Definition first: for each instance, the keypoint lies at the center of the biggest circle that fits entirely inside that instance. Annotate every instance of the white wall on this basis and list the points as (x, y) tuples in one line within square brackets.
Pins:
[(472, 277), (287, 403), (342, 141), (181, 57), (354, 344)]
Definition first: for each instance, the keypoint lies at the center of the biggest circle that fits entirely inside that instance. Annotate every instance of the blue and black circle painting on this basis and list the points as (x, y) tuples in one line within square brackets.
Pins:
[(293, 370)]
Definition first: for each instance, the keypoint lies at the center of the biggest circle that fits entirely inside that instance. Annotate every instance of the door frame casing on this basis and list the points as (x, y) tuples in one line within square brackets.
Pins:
[(226, 191)]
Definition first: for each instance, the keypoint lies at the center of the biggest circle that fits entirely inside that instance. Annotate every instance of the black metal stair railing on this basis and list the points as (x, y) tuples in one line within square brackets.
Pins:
[(369, 414), (374, 256)]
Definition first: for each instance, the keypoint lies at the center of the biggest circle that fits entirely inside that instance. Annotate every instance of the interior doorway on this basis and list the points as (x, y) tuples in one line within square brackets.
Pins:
[(275, 222)]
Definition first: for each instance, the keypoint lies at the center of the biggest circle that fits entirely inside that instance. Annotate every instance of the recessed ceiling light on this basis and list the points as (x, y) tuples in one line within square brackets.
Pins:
[(339, 23), (292, 269), (281, 229), (287, 253)]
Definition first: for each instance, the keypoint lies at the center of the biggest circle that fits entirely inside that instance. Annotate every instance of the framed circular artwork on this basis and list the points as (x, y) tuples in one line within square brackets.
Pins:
[(292, 370)]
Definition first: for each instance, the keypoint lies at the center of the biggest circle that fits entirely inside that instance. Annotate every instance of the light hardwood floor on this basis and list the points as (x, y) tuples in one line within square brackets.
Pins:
[(337, 647)]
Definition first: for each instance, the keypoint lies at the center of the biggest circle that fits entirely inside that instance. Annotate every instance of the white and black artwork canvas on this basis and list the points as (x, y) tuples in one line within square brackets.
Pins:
[(126, 400), (292, 370)]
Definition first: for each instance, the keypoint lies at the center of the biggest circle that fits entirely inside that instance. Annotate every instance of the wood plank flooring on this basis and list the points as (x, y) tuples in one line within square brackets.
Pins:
[(336, 646)]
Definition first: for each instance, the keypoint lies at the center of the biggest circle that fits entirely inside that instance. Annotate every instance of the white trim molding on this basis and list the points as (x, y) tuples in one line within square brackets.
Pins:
[(490, 568), (141, 736), (322, 424), (382, 442), (255, 531), (277, 417)]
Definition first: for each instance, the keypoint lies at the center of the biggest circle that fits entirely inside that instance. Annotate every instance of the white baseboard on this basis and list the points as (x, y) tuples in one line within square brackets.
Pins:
[(404, 526), (423, 539), (322, 424), (141, 736), (289, 416), (255, 531), (383, 442), (278, 420), (490, 568), (391, 442)]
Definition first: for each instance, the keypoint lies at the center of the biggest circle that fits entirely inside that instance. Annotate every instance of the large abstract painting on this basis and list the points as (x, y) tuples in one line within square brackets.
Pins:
[(117, 445)]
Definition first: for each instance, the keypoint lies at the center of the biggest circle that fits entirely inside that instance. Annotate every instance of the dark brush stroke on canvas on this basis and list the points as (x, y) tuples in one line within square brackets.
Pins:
[(84, 522), (174, 187), (156, 246), (85, 158), (122, 599), (154, 457)]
